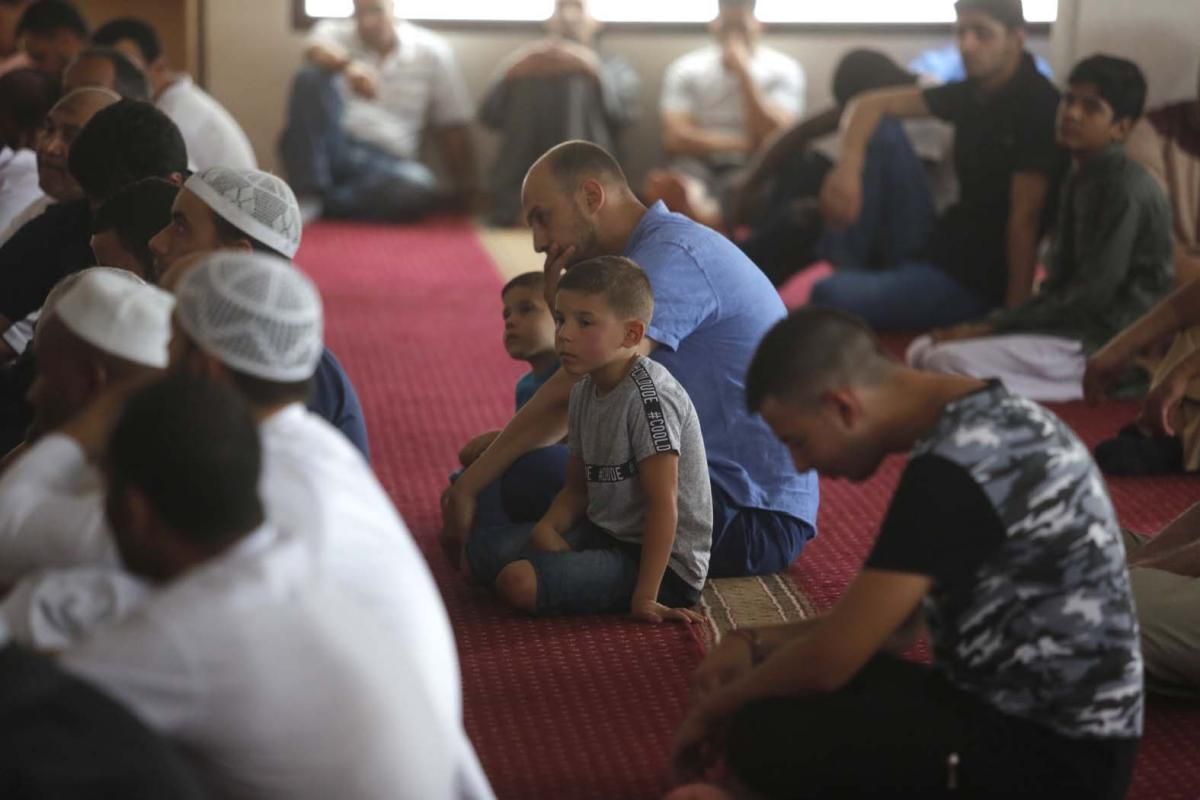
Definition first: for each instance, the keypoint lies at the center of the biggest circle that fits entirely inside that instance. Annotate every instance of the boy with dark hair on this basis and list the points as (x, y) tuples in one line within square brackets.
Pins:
[(123, 226), (107, 67), (213, 136), (529, 337), (631, 529), (1000, 536), (52, 32), (1111, 258)]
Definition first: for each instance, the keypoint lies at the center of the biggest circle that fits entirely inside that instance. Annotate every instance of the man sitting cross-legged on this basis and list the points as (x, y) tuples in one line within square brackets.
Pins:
[(1000, 535), (711, 308)]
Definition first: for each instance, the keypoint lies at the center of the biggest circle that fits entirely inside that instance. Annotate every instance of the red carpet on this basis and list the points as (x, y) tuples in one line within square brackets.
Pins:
[(583, 708)]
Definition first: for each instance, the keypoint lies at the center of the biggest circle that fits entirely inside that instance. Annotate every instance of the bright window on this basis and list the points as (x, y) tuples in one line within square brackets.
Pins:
[(794, 11)]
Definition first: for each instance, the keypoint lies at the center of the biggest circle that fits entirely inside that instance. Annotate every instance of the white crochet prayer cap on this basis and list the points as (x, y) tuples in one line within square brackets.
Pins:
[(257, 203), (255, 312), (117, 312)]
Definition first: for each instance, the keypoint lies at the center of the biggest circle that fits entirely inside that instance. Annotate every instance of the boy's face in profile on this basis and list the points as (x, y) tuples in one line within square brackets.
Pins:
[(1086, 122), (528, 323), (590, 335)]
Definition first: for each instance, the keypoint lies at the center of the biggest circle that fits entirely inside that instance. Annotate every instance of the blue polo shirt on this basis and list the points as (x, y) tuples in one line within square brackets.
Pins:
[(712, 307)]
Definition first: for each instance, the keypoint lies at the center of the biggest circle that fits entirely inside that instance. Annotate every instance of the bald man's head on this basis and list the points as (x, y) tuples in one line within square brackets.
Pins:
[(63, 124), (570, 196)]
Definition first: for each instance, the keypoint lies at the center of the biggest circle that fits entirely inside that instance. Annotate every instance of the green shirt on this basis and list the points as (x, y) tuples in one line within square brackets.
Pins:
[(1111, 257)]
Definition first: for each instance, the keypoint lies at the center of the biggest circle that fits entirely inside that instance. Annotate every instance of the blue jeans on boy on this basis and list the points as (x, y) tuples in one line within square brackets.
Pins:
[(880, 275), (597, 576), (746, 541), (354, 179)]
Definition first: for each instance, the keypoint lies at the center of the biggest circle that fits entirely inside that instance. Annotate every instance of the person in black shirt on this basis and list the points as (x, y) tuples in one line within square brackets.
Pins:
[(1000, 540), (982, 253)]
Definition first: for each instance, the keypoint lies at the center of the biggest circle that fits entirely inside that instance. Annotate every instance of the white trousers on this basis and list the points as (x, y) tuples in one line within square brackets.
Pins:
[(1044, 368)]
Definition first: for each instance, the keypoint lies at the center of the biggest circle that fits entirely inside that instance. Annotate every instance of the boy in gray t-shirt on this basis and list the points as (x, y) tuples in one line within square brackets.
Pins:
[(632, 528)]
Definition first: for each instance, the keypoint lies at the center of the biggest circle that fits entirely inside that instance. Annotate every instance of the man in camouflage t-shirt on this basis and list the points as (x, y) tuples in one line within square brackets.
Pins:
[(1000, 537)]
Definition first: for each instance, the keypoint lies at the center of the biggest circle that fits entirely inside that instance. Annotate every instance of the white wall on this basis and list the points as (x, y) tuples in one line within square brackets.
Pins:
[(1162, 36), (252, 52)]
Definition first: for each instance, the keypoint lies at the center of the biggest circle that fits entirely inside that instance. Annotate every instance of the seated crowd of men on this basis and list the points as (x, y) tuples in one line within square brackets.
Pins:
[(208, 591)]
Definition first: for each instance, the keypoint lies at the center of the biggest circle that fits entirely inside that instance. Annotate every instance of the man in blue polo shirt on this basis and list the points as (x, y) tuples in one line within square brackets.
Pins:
[(711, 308)]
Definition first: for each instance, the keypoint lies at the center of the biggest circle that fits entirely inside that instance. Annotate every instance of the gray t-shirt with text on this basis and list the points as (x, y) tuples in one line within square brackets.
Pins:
[(647, 414)]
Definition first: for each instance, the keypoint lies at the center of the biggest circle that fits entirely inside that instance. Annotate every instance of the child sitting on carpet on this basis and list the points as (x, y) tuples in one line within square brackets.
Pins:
[(529, 337), (631, 529), (1111, 258), (1000, 536)]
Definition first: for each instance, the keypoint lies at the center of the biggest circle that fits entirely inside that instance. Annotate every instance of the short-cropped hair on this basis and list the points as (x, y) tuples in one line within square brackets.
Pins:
[(122, 144), (526, 280), (140, 32), (191, 446), (1009, 13), (811, 352), (622, 283), (1119, 81), (48, 17), (571, 161), (128, 79)]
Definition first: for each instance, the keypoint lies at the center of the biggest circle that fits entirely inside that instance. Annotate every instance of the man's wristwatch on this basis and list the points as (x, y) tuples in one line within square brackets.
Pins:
[(758, 650)]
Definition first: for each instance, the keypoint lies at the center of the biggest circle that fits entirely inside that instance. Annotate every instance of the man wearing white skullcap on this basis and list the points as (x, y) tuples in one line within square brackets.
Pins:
[(250, 210), (253, 321), (103, 329)]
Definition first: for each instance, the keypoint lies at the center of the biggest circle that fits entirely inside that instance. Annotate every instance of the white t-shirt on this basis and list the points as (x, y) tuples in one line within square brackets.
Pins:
[(420, 84), (698, 84), (19, 187), (33, 208), (275, 685), (316, 488), (212, 135)]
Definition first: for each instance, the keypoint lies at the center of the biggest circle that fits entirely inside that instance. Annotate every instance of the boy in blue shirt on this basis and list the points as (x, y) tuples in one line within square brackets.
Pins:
[(529, 337)]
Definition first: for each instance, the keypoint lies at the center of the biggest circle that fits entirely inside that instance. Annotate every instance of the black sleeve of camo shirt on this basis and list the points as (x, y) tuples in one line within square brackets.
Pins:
[(940, 523)]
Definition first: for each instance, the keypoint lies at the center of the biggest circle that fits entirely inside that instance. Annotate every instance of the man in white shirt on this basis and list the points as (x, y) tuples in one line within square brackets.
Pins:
[(358, 109), (719, 105), (271, 681), (213, 136), (26, 97)]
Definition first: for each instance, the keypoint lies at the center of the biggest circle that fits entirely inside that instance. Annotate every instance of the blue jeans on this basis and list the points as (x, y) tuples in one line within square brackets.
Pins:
[(746, 541), (597, 576), (910, 296), (898, 214), (354, 179)]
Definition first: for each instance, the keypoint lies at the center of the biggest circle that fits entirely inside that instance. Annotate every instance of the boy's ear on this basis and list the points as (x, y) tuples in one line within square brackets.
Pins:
[(635, 331), (1122, 127), (845, 405)]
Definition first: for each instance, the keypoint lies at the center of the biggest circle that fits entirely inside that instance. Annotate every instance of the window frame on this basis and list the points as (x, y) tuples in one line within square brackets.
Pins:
[(302, 21)]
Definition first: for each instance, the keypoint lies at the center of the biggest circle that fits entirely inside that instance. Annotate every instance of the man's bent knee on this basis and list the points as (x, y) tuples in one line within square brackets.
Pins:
[(517, 585)]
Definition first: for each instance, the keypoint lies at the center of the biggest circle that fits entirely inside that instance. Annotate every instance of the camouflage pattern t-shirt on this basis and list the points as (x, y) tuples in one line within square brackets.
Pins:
[(1030, 608)]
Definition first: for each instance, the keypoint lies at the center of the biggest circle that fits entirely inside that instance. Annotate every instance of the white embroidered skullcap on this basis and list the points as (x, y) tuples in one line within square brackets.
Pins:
[(257, 203), (255, 312), (117, 312)]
